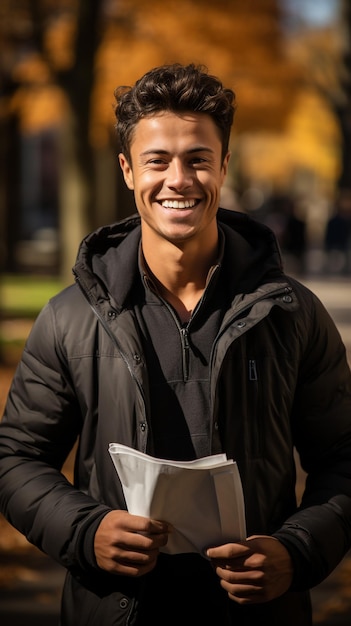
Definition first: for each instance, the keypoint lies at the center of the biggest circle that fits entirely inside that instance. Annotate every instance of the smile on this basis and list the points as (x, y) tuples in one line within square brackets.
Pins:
[(178, 204)]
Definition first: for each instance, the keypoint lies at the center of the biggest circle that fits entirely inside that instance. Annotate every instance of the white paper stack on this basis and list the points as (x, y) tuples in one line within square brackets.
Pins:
[(202, 499)]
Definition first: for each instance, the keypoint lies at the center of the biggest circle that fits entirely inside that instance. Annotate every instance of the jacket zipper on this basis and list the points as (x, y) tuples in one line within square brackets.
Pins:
[(247, 307), (112, 337), (252, 369)]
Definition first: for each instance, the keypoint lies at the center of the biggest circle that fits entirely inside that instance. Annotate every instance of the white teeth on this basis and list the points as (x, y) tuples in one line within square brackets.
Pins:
[(176, 204)]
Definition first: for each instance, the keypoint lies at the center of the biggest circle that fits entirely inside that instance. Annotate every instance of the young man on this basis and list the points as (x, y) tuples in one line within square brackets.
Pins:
[(182, 337)]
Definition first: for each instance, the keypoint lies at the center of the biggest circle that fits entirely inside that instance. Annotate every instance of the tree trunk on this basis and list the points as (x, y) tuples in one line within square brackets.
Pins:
[(344, 112), (74, 198)]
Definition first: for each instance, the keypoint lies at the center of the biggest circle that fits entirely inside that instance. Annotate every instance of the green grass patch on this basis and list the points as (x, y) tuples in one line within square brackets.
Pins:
[(25, 296), (21, 299)]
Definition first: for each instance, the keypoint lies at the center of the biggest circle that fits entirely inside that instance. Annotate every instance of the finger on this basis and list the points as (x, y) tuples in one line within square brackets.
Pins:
[(241, 576), (243, 594), (146, 525), (245, 597), (131, 570), (130, 567), (133, 557), (140, 541), (229, 551)]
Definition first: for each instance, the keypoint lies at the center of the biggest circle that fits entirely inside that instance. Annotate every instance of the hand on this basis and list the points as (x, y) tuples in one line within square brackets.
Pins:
[(256, 570), (128, 544)]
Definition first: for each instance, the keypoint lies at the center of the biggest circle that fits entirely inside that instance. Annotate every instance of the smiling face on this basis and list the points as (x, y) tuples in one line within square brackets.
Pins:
[(176, 172)]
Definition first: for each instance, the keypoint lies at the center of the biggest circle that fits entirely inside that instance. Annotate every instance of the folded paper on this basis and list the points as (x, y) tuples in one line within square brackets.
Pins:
[(201, 499)]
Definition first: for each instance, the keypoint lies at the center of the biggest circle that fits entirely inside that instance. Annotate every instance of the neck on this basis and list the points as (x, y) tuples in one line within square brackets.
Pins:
[(180, 273)]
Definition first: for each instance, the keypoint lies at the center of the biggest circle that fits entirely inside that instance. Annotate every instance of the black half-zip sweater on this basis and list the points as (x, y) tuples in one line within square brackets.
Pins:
[(177, 357)]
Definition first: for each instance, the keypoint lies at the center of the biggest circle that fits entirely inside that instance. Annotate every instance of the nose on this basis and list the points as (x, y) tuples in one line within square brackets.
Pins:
[(179, 176)]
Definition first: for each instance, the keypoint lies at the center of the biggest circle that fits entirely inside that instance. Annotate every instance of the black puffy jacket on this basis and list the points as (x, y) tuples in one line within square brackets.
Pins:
[(279, 381)]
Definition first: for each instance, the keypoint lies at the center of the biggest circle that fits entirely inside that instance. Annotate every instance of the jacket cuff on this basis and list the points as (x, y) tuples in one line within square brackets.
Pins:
[(308, 567), (86, 552)]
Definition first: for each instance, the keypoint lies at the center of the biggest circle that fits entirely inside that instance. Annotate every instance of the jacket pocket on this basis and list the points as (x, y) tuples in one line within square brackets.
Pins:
[(95, 603)]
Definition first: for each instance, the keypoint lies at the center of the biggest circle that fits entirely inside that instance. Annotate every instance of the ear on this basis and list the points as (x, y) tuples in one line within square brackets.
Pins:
[(225, 165), (127, 171)]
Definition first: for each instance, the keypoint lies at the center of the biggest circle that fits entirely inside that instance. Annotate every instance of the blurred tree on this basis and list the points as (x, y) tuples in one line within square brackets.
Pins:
[(62, 59), (325, 54), (242, 42), (49, 49), (342, 106)]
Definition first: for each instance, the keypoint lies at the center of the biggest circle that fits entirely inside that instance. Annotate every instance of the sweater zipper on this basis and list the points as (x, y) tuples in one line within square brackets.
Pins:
[(184, 337), (183, 330), (184, 333)]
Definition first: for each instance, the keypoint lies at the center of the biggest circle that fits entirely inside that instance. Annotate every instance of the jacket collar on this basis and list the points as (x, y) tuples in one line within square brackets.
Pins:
[(107, 265)]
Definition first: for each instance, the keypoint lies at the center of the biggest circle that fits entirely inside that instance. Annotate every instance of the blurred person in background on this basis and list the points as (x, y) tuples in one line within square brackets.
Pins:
[(337, 241), (280, 213), (181, 337), (294, 240)]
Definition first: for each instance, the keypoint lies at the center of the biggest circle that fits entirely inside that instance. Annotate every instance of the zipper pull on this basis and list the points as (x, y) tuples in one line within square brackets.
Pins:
[(184, 334), (252, 370)]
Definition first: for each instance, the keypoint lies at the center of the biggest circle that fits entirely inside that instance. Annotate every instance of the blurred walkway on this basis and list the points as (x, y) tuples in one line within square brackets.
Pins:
[(30, 588), (332, 599), (30, 582), (335, 293)]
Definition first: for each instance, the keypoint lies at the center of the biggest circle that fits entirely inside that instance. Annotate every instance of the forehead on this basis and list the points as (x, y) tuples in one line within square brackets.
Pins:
[(167, 126)]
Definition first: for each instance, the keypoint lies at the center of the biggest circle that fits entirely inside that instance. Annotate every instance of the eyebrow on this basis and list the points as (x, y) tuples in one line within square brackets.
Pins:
[(162, 151)]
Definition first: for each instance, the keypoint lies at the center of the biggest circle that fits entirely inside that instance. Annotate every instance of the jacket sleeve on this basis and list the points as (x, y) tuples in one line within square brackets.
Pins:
[(39, 428), (318, 535)]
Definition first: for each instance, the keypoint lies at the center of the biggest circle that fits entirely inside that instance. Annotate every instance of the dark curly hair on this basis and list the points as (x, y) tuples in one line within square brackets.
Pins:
[(177, 88)]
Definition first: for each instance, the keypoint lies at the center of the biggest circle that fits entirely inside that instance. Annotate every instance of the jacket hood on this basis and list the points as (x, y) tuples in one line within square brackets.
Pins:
[(107, 260)]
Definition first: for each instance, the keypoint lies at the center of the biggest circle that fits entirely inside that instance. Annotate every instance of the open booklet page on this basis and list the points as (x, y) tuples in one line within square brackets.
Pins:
[(202, 499)]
